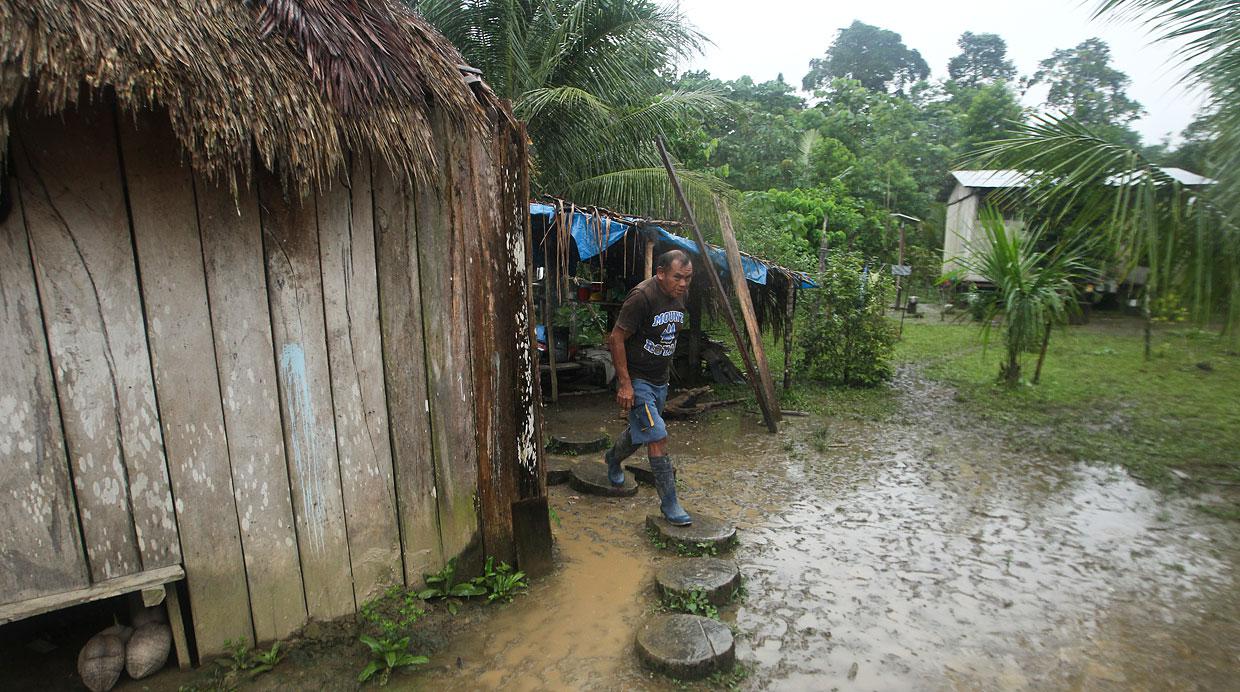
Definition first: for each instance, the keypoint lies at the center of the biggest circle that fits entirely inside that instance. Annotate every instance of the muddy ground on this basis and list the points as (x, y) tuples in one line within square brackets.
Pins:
[(919, 552), (912, 553)]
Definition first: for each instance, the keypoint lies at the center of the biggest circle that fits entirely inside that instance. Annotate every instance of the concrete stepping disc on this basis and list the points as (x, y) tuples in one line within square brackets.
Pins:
[(716, 578), (687, 647), (705, 529), (559, 469), (588, 443), (641, 471), (591, 478)]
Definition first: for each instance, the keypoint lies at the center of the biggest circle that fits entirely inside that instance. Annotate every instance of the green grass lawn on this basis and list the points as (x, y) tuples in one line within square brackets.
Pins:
[(1099, 399)]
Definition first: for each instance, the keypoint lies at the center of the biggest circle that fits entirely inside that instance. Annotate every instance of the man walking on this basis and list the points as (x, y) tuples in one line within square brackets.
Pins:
[(642, 343)]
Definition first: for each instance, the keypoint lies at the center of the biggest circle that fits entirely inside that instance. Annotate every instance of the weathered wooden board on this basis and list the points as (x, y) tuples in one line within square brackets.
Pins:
[(232, 250), (295, 293), (74, 204), (532, 532), (40, 544), (165, 227), (496, 484), (404, 361), (94, 592), (441, 221), (351, 310), (531, 468), (740, 287)]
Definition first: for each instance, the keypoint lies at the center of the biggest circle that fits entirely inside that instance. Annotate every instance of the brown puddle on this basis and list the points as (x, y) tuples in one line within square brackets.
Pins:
[(928, 556)]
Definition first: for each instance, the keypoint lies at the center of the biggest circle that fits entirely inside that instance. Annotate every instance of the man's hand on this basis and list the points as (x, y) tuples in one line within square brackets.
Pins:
[(624, 397)]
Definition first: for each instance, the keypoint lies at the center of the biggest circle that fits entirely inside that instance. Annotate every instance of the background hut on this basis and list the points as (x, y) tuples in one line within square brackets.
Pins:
[(264, 313)]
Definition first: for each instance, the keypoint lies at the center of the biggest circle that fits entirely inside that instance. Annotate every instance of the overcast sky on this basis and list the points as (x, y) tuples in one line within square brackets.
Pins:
[(763, 39)]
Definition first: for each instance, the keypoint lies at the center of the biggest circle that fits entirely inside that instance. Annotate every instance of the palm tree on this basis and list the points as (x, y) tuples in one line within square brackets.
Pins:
[(1034, 289), (1083, 183), (589, 77)]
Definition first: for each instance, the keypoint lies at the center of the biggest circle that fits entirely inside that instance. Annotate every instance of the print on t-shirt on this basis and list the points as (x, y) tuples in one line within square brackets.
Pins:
[(667, 339)]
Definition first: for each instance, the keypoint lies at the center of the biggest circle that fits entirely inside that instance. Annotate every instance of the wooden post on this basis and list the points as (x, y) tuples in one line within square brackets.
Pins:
[(737, 271), (695, 333), (549, 330), (767, 416), (790, 307), (649, 257)]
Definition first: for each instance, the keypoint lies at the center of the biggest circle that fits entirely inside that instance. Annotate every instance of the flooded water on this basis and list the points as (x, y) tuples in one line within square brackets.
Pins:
[(918, 553)]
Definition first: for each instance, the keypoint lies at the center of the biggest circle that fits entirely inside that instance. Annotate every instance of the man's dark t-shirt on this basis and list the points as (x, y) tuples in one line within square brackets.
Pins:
[(653, 319)]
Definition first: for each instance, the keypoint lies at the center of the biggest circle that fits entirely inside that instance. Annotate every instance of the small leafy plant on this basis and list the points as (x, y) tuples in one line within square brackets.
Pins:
[(695, 602), (243, 659), (501, 582), (407, 612), (443, 584), (388, 655)]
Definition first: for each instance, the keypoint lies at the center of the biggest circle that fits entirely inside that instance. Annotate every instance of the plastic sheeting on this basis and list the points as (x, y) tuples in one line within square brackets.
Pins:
[(592, 234)]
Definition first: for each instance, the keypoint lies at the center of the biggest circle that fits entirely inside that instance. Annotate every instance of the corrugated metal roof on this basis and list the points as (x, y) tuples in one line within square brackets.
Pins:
[(991, 178), (1011, 178), (1187, 177)]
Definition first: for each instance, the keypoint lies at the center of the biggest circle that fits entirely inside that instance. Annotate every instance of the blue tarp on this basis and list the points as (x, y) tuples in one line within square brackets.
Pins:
[(594, 234)]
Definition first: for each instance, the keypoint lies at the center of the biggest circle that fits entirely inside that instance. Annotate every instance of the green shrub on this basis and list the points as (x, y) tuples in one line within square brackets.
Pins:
[(846, 338)]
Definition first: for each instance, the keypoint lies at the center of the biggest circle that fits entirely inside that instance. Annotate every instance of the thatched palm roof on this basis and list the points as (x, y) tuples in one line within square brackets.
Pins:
[(304, 81)]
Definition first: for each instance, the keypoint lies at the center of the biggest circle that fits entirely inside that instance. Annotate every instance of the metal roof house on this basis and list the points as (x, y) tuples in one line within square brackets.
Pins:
[(974, 186)]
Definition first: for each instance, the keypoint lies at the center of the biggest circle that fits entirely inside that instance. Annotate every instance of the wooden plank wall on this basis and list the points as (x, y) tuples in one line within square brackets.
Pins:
[(303, 401), (42, 552), (165, 229), (441, 220), (351, 310), (404, 365), (232, 249), (295, 293)]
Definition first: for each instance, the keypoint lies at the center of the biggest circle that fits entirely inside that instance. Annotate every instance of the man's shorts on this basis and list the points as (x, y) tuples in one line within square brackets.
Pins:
[(646, 417)]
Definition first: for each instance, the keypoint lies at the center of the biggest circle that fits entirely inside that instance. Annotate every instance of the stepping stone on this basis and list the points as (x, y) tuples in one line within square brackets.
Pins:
[(559, 469), (716, 578), (591, 478), (576, 445), (641, 471), (714, 532), (686, 647)]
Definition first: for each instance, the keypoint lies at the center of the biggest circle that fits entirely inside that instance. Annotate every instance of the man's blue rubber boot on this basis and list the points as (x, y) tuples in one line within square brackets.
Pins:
[(665, 484), (620, 451)]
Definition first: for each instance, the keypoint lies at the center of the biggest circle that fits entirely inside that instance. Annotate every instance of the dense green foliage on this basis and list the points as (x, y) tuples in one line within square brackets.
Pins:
[(846, 338)]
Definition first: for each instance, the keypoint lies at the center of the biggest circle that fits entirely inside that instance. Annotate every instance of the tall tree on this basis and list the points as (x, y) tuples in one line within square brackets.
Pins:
[(992, 111), (1085, 86), (875, 57), (587, 76), (982, 59)]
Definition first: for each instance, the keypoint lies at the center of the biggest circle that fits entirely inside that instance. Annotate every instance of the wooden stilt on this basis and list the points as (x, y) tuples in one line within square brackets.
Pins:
[(177, 624)]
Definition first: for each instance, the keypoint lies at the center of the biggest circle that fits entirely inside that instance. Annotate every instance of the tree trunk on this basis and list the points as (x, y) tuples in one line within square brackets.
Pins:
[(1149, 320), (1046, 339)]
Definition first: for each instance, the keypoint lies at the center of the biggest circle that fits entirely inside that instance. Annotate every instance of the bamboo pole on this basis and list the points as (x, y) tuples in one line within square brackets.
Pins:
[(767, 416), (739, 284)]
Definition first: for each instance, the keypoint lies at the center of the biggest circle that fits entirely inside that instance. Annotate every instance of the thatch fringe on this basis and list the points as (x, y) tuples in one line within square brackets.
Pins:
[(301, 82)]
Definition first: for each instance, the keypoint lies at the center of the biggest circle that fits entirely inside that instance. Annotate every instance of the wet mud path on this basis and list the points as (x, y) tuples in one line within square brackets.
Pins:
[(915, 553)]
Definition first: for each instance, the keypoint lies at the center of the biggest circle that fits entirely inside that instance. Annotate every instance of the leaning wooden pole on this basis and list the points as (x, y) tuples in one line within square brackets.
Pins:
[(703, 250), (736, 269)]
